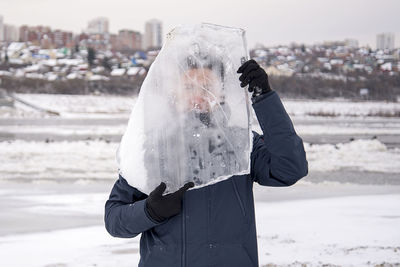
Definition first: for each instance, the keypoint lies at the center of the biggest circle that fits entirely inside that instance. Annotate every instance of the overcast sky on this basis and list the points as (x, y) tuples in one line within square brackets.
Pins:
[(269, 22)]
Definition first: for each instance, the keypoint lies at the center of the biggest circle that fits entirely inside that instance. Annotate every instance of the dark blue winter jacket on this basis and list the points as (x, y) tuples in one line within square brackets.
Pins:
[(217, 224)]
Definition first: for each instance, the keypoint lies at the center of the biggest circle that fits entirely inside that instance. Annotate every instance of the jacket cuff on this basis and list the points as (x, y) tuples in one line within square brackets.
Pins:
[(144, 221), (261, 97)]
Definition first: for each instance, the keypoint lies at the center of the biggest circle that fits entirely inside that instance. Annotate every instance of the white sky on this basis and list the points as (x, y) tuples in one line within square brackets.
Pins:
[(269, 22)]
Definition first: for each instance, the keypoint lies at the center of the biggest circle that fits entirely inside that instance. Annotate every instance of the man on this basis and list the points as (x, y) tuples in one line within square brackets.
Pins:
[(213, 225), (203, 142)]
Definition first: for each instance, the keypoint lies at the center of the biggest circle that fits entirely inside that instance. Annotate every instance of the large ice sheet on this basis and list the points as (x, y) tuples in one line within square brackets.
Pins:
[(191, 119)]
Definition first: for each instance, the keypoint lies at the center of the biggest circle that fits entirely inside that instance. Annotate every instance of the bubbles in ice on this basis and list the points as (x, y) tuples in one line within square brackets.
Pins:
[(190, 122)]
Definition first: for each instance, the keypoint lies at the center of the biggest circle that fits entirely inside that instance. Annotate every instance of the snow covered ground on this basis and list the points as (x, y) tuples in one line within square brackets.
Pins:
[(57, 171), (340, 107), (82, 161), (65, 129), (312, 118), (109, 105), (345, 231), (383, 127), (363, 155), (353, 230), (71, 106), (57, 161)]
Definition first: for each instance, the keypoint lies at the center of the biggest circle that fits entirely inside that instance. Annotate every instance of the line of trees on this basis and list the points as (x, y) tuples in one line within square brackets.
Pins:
[(116, 85), (380, 87)]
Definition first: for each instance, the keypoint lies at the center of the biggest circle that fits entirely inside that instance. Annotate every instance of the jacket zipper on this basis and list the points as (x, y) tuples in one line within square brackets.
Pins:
[(238, 197), (183, 263)]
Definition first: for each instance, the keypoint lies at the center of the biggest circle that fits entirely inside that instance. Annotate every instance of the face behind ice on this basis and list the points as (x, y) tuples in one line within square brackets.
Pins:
[(201, 91), (190, 103)]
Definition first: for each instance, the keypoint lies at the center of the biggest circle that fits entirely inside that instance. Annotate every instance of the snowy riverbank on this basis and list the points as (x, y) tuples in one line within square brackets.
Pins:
[(56, 173), (353, 225), (83, 161), (98, 106)]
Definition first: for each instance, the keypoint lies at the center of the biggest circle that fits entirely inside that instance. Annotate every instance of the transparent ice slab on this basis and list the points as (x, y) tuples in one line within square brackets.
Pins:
[(191, 119)]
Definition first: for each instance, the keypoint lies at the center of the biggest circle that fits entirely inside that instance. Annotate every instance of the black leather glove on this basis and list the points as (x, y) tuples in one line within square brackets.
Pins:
[(162, 207), (254, 76)]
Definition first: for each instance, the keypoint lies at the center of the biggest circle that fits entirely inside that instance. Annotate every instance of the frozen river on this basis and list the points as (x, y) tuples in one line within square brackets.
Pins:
[(366, 149), (308, 224), (312, 130), (57, 172)]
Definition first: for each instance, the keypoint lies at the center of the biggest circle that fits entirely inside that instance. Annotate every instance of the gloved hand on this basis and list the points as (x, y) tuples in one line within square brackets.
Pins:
[(162, 207), (254, 76)]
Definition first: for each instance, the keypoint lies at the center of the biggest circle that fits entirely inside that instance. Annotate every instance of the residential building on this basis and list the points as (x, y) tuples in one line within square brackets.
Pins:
[(11, 33), (1, 28), (385, 41), (129, 40), (34, 34), (63, 39), (98, 25), (353, 43), (153, 34)]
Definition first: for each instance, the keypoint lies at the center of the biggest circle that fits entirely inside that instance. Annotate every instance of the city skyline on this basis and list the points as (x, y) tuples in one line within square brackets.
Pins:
[(129, 39), (307, 23)]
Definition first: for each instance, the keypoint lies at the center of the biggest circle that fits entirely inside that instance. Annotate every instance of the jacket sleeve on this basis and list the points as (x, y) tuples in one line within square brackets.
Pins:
[(278, 157), (125, 213)]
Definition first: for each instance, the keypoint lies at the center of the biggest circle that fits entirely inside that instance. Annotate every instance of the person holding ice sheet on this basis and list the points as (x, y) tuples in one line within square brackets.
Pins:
[(201, 158)]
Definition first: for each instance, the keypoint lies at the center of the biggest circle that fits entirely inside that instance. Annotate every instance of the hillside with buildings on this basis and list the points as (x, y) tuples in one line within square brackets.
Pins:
[(38, 59)]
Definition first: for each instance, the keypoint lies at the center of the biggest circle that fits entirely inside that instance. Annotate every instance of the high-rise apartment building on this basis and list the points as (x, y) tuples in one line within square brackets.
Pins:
[(153, 34), (1, 28), (353, 43), (62, 38), (98, 25), (129, 40), (11, 33), (385, 41), (34, 34)]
